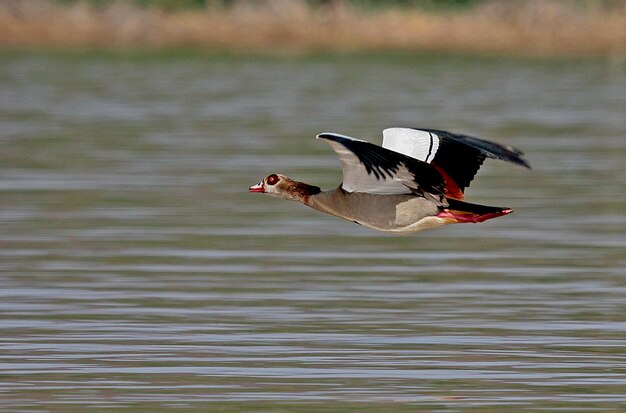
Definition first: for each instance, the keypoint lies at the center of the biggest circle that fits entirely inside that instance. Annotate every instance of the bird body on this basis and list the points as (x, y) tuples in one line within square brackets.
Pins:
[(391, 213), (415, 181)]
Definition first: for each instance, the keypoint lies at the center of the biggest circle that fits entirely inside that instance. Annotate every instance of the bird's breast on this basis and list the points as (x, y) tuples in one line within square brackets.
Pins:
[(390, 213)]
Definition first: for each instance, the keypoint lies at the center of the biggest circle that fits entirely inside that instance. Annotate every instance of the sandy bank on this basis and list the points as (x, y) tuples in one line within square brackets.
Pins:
[(528, 28)]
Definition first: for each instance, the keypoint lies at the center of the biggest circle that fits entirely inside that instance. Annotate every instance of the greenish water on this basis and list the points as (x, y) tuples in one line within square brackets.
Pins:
[(138, 274)]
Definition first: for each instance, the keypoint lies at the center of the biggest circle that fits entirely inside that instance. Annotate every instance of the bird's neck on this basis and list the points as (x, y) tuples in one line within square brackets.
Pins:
[(301, 192)]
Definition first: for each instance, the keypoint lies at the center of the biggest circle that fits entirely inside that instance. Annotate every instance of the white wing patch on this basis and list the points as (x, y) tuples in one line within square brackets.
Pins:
[(415, 143), (356, 178)]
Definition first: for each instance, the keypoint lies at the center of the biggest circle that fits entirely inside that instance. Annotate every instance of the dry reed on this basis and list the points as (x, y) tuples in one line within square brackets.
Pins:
[(531, 28)]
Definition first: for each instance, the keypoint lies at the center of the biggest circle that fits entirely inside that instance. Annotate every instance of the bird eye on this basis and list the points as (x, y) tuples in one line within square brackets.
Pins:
[(272, 179)]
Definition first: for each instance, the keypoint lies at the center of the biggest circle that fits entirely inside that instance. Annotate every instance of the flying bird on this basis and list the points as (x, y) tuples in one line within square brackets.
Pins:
[(415, 181)]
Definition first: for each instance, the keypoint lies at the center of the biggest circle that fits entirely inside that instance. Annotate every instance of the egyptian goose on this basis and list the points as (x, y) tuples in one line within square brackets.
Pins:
[(415, 181)]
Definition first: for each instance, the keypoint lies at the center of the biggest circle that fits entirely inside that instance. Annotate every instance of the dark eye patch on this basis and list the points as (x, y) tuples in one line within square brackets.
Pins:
[(272, 179)]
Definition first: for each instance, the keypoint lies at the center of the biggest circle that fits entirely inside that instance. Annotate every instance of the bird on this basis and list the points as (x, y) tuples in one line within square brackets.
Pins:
[(415, 181)]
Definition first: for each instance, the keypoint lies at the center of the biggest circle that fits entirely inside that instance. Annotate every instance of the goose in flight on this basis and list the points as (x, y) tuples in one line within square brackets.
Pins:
[(414, 181)]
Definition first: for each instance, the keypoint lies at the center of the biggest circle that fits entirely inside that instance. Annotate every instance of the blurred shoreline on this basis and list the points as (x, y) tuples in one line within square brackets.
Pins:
[(535, 28)]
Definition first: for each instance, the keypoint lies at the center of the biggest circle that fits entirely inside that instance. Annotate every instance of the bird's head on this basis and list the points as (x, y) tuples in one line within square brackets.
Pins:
[(283, 187)]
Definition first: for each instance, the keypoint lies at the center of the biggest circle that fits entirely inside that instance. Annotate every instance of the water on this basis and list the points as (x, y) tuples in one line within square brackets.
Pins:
[(138, 274)]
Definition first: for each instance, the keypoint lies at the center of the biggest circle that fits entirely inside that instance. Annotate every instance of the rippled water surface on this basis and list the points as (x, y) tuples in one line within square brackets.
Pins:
[(138, 273)]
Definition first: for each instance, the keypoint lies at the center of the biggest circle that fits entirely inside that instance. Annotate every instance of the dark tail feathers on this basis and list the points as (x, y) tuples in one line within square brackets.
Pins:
[(466, 212)]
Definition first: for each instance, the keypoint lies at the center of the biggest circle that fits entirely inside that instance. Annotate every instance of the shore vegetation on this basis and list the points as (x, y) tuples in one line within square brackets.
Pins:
[(490, 27)]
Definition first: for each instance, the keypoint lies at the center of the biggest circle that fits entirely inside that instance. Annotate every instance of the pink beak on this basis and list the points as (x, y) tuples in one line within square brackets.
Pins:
[(257, 188)]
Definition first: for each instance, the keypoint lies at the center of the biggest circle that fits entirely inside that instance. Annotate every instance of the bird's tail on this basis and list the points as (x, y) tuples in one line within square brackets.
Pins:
[(461, 211)]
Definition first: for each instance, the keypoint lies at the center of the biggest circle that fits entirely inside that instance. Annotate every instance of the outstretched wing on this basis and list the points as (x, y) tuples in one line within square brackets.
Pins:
[(457, 156), (373, 169)]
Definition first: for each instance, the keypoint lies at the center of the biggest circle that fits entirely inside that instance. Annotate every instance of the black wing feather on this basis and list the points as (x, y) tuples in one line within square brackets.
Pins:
[(383, 162), (461, 156)]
